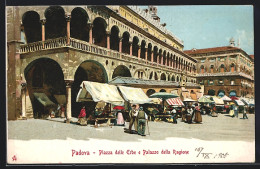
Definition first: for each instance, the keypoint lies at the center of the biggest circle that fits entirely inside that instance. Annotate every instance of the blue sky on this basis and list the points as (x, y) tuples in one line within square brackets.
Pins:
[(204, 26)]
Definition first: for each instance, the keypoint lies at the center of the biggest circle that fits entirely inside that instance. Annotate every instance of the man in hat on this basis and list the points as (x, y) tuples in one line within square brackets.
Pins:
[(142, 117), (133, 120)]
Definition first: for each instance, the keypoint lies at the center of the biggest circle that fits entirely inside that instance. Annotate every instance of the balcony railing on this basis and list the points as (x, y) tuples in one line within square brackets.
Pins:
[(91, 48), (225, 74)]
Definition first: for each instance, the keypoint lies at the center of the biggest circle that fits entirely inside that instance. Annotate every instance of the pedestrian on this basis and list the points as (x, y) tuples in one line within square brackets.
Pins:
[(231, 111), (183, 114), (244, 113), (198, 117), (236, 110), (82, 117), (142, 118), (174, 115), (133, 120), (120, 119), (214, 113), (189, 115)]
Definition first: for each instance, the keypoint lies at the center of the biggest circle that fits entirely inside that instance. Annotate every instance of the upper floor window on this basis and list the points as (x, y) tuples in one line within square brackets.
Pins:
[(232, 67), (202, 60), (202, 69), (222, 68), (232, 82), (212, 60), (211, 69)]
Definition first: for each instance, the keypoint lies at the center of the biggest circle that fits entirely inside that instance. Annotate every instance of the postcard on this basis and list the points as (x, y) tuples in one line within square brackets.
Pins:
[(130, 84)]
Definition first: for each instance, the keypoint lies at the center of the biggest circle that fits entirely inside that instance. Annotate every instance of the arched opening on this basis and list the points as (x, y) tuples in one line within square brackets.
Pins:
[(211, 69), (169, 59), (232, 67), (150, 92), (155, 76), (177, 63), (221, 93), (155, 54), (160, 56), (211, 92), (122, 71), (125, 43), (32, 26), (114, 38), (163, 76), (169, 77), (151, 75), (149, 52), (55, 22), (79, 24), (162, 90), (201, 69), (143, 49), (135, 46), (177, 79), (99, 32), (89, 70), (232, 93), (173, 78), (222, 68), (164, 58), (44, 76)]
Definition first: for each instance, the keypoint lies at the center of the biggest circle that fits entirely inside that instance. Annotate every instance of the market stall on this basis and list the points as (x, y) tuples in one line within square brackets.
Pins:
[(100, 92)]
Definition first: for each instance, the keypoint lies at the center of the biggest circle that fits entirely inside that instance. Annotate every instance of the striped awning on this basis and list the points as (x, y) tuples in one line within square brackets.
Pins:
[(175, 102)]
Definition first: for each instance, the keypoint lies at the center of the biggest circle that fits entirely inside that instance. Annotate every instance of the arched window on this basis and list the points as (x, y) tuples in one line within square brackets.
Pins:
[(232, 67), (202, 69), (222, 68), (162, 90), (211, 69), (150, 92)]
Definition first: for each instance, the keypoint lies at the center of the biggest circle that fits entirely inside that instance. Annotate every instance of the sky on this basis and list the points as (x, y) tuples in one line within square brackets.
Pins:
[(204, 26)]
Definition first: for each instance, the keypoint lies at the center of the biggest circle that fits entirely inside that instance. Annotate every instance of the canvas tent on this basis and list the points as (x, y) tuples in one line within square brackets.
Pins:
[(134, 95), (239, 103), (44, 100), (175, 102), (218, 101), (99, 92)]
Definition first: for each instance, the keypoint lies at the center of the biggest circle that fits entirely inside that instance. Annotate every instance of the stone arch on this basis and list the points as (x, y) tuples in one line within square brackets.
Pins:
[(150, 92), (55, 22), (173, 78), (99, 32), (163, 76), (155, 54), (135, 46), (122, 71), (79, 24), (44, 75), (114, 38), (88, 70), (125, 42), (149, 52), (143, 46), (140, 74), (211, 92), (32, 26), (162, 90), (155, 76), (151, 75), (169, 77)]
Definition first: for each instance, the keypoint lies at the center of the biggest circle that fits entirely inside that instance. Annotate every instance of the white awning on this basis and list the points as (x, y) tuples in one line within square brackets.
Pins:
[(239, 102), (134, 95), (93, 91), (175, 102), (218, 101)]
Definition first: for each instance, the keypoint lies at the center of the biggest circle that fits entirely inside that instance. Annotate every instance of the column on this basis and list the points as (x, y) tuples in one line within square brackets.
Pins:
[(68, 100), (166, 61), (68, 28), (146, 50), (172, 63), (139, 51), (108, 39), (152, 57), (131, 48), (120, 44), (158, 59), (43, 21), (23, 91), (90, 25)]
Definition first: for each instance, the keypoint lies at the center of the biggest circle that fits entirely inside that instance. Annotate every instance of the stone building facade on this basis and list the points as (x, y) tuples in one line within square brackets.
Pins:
[(225, 70), (53, 49)]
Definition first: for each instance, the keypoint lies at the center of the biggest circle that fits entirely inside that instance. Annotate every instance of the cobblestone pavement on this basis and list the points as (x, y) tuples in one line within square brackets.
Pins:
[(221, 128)]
